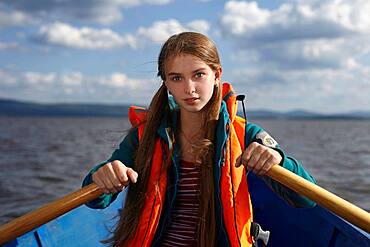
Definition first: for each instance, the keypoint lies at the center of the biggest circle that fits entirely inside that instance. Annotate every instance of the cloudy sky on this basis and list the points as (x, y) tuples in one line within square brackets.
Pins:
[(283, 55)]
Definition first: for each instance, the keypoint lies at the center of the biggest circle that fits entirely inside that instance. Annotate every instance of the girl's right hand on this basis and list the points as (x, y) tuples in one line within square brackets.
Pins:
[(114, 176)]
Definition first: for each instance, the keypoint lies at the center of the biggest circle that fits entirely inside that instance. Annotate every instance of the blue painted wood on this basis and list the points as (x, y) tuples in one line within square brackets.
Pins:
[(27, 240), (79, 228), (288, 226), (301, 227)]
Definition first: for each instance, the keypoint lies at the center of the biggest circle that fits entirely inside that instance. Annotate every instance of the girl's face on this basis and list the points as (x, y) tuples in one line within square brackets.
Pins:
[(190, 81)]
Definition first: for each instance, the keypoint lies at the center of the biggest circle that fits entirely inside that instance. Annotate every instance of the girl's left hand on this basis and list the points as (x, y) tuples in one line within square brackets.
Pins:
[(258, 158)]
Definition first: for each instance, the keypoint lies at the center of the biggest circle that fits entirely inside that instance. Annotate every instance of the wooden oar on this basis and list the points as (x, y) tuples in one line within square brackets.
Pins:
[(50, 211), (344, 209), (324, 198)]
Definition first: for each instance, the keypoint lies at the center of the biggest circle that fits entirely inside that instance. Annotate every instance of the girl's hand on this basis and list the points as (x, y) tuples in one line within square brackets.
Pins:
[(114, 176), (258, 158)]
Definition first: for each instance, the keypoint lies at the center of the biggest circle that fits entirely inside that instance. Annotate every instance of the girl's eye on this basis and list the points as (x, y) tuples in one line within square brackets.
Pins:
[(176, 78), (199, 74)]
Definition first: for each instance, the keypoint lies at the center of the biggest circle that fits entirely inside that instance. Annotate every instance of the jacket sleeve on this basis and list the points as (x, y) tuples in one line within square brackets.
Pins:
[(291, 197), (125, 154)]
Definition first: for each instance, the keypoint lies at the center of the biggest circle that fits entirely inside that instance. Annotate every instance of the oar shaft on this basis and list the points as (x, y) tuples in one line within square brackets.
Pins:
[(326, 199), (50, 211)]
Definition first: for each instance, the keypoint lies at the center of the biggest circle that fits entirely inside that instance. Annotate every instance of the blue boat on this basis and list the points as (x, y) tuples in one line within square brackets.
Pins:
[(288, 226)]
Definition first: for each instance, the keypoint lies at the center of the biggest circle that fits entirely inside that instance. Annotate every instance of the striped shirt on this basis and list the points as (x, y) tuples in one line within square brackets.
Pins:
[(184, 216)]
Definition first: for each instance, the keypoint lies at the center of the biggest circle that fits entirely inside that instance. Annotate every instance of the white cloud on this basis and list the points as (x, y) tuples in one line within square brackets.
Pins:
[(7, 78), (158, 2), (63, 34), (352, 14), (312, 53), (321, 34), (320, 90), (160, 31), (72, 79), (295, 21), (76, 87), (131, 3), (241, 17), (40, 79), (120, 80), (201, 26), (83, 38), (15, 18), (102, 12)]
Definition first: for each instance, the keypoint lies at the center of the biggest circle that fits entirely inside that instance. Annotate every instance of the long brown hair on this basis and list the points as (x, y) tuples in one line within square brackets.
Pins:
[(202, 47)]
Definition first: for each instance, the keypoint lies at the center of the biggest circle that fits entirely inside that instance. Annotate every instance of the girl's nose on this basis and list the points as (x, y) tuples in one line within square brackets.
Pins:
[(189, 87)]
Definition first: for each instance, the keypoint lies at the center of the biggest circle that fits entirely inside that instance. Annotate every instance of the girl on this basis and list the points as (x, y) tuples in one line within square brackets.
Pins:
[(186, 158)]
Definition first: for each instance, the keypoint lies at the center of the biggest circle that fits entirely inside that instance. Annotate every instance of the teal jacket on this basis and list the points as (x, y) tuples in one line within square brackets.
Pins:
[(125, 151), (127, 147)]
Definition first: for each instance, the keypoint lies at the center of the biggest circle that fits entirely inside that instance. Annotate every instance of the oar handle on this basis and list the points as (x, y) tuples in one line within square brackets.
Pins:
[(326, 199), (50, 211)]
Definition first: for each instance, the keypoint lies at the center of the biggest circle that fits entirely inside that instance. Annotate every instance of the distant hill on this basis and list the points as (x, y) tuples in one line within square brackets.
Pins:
[(19, 108), (300, 114)]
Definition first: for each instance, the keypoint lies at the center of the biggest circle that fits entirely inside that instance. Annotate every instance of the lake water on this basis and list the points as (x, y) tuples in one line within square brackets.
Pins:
[(42, 159)]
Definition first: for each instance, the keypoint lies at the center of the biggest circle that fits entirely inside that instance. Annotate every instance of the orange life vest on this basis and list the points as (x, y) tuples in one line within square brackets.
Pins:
[(234, 193)]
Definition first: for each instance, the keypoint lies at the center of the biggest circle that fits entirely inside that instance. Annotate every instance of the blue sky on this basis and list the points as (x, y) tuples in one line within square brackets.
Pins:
[(284, 55)]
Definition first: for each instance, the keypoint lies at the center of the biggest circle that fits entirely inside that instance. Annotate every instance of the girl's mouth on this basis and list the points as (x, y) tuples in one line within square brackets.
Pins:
[(191, 101)]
